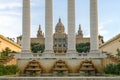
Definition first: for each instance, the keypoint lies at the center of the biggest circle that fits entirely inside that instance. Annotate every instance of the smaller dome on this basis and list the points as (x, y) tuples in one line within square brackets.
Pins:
[(59, 27)]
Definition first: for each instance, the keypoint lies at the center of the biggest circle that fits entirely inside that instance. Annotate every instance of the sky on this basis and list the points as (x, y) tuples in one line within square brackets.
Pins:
[(108, 14)]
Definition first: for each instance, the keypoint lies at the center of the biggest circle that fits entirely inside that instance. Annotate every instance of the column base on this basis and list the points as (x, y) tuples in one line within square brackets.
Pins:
[(96, 54), (27, 55), (23, 55), (25, 51), (48, 53), (95, 51), (71, 53)]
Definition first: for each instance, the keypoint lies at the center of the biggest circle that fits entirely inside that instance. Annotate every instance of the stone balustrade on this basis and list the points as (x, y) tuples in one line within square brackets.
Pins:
[(79, 55)]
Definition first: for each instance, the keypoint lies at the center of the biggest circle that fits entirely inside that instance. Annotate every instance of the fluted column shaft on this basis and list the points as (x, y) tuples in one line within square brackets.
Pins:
[(94, 25), (26, 26), (48, 26), (71, 26)]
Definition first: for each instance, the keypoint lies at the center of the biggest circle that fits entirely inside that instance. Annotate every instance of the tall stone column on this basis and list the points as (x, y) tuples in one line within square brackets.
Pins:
[(71, 27), (26, 27), (48, 27), (94, 26)]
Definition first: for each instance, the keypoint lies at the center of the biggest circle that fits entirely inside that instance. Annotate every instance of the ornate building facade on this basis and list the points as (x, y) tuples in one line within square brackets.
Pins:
[(60, 38)]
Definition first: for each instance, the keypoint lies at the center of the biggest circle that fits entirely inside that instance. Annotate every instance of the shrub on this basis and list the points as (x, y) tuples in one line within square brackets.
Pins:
[(113, 69), (8, 70)]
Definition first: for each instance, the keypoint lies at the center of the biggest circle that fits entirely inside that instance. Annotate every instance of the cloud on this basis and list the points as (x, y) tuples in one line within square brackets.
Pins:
[(10, 26), (34, 29), (38, 3), (10, 18), (102, 27), (11, 13), (5, 4), (10, 5), (102, 31)]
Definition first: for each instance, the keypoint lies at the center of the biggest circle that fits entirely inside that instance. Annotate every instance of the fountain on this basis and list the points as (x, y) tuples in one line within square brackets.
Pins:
[(87, 68), (60, 68), (33, 68)]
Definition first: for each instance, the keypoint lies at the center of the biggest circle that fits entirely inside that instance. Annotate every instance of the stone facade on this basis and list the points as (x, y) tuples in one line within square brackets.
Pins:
[(111, 45), (4, 42), (60, 38)]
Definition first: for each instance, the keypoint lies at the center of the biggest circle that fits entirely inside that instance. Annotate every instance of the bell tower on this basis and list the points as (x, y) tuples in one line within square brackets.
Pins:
[(39, 32)]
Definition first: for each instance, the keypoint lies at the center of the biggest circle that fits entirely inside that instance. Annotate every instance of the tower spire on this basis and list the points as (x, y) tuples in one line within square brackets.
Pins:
[(39, 32), (59, 20), (39, 28), (80, 33), (80, 27)]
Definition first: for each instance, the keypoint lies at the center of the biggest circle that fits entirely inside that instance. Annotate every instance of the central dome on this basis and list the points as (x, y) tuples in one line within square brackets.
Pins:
[(59, 27)]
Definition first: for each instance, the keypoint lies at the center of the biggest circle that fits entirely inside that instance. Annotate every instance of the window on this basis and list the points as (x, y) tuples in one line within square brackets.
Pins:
[(55, 45), (64, 45), (60, 45)]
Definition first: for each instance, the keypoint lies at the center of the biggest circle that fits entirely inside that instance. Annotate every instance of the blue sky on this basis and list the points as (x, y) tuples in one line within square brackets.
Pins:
[(11, 16)]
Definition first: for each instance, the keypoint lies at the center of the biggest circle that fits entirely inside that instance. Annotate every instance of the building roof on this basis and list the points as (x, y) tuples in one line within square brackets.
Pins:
[(9, 41), (60, 27), (111, 40)]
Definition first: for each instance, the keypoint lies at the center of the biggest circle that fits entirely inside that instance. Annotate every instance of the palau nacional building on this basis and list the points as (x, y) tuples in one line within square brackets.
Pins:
[(71, 63), (60, 38)]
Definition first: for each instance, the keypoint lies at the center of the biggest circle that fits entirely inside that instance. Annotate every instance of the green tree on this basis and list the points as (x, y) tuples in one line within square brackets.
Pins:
[(36, 47), (8, 70), (113, 69), (83, 47), (12, 69), (6, 52), (109, 69), (118, 53), (2, 69)]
